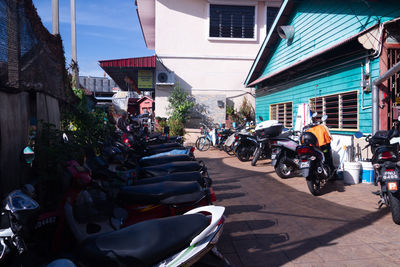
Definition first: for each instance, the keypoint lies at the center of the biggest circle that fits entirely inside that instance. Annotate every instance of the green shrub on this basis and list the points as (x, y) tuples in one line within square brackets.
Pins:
[(176, 127), (180, 104), (246, 110)]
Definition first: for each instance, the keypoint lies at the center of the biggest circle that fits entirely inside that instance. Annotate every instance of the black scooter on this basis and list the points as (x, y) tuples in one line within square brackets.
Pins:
[(386, 163), (312, 161), (245, 146)]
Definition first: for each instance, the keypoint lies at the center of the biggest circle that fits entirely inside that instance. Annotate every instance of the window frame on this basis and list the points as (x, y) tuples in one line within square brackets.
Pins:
[(228, 3), (311, 101), (285, 103)]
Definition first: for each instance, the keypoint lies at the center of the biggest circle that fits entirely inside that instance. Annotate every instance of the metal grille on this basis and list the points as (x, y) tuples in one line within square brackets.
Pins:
[(282, 112), (341, 109), (232, 21)]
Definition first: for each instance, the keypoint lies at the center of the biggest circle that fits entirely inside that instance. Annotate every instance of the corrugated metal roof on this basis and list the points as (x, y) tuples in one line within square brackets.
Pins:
[(135, 62)]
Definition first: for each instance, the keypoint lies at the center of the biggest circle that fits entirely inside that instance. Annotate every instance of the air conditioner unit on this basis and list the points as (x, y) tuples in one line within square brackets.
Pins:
[(165, 78)]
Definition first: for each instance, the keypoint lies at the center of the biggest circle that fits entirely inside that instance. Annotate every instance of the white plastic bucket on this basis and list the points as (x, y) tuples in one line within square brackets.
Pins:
[(351, 172), (368, 173)]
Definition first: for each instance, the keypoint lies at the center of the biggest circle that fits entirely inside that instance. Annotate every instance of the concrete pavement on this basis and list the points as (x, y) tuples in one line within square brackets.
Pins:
[(276, 222)]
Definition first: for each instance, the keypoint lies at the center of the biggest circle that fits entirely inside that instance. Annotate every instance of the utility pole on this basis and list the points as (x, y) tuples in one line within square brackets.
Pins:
[(55, 13), (74, 61)]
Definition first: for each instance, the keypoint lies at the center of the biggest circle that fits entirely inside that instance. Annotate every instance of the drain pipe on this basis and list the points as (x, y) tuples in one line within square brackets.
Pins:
[(375, 95)]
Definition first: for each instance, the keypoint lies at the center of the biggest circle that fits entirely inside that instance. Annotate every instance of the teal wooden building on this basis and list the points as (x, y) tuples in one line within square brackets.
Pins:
[(327, 54)]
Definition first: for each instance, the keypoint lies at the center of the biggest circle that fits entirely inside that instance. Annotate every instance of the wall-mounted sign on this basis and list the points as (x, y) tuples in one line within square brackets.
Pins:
[(145, 79)]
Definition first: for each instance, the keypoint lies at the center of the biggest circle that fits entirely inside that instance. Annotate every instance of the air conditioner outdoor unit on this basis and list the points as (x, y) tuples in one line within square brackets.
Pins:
[(165, 78)]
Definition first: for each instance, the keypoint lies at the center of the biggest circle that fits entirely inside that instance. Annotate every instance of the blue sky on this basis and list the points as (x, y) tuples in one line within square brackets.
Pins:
[(105, 30)]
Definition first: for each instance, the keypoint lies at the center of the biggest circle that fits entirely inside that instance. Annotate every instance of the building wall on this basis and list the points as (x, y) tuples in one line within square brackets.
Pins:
[(203, 66), (320, 24), (339, 81)]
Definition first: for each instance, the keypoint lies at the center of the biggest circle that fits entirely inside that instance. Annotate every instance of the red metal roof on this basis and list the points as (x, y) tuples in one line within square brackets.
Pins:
[(135, 62)]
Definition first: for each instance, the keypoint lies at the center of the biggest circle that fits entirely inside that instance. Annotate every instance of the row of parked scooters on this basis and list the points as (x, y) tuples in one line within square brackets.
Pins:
[(145, 201), (304, 154)]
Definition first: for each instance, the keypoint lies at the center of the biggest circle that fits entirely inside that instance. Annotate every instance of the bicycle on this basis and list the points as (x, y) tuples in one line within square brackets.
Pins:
[(204, 141)]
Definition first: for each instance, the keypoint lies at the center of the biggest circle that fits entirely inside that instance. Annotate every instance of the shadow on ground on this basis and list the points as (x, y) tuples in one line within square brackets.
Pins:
[(270, 223)]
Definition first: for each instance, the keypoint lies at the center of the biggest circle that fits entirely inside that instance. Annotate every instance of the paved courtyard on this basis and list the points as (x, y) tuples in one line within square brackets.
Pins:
[(277, 222)]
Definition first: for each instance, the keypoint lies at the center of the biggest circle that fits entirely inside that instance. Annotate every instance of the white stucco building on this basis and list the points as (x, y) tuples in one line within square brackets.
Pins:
[(205, 46)]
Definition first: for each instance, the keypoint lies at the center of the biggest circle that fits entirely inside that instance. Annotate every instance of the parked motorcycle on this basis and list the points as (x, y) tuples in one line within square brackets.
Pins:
[(385, 160), (174, 241), (284, 157), (264, 131), (313, 165), (245, 145)]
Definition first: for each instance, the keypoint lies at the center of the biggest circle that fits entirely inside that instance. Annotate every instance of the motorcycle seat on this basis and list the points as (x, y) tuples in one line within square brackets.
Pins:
[(190, 198), (164, 159), (177, 177), (154, 193), (161, 150), (143, 244), (171, 167), (165, 145)]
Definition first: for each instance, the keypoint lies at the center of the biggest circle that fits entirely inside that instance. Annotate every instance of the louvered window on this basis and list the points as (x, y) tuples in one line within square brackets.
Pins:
[(282, 112), (232, 21), (341, 109)]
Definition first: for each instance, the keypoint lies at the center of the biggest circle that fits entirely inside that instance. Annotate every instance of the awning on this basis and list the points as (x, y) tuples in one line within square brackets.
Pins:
[(131, 73)]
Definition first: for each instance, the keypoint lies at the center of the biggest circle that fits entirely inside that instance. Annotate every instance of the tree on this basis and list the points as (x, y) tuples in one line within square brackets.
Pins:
[(246, 110), (180, 104)]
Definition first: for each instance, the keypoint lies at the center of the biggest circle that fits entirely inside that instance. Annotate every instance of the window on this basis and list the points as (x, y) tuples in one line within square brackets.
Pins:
[(232, 21), (271, 15), (342, 110), (282, 112)]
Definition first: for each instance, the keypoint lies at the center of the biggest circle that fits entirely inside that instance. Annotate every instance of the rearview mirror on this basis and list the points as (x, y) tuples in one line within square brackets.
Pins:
[(28, 155), (315, 114), (65, 137), (358, 135), (324, 118), (261, 118)]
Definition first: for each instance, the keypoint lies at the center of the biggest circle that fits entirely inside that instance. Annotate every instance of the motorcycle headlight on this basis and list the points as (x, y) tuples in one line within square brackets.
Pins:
[(18, 201)]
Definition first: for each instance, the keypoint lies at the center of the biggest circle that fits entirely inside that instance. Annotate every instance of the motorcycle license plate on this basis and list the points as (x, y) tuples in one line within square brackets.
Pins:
[(390, 175), (392, 186), (305, 164)]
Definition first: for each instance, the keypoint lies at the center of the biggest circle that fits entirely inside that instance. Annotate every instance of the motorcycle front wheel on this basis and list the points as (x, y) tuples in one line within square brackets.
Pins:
[(243, 153), (314, 187)]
